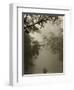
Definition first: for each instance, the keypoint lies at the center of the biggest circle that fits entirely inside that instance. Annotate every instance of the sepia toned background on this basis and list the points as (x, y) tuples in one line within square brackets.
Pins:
[(43, 43)]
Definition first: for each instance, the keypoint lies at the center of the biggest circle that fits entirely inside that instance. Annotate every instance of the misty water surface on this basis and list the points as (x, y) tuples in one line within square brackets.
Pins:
[(47, 60)]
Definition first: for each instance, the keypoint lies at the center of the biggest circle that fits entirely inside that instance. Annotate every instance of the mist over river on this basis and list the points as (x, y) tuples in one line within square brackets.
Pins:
[(48, 61), (43, 44)]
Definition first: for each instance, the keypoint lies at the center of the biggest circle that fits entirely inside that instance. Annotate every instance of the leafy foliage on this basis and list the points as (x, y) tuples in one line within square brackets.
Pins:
[(30, 52), (56, 44), (34, 22)]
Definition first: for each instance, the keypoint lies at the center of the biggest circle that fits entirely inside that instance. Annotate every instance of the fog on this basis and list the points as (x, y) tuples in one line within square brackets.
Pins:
[(46, 59), (43, 44)]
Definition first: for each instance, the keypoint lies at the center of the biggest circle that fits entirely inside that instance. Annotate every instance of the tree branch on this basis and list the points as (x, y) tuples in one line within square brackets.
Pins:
[(42, 20)]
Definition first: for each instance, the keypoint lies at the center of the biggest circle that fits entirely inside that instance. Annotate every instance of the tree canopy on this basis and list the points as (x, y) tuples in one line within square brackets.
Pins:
[(35, 22)]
